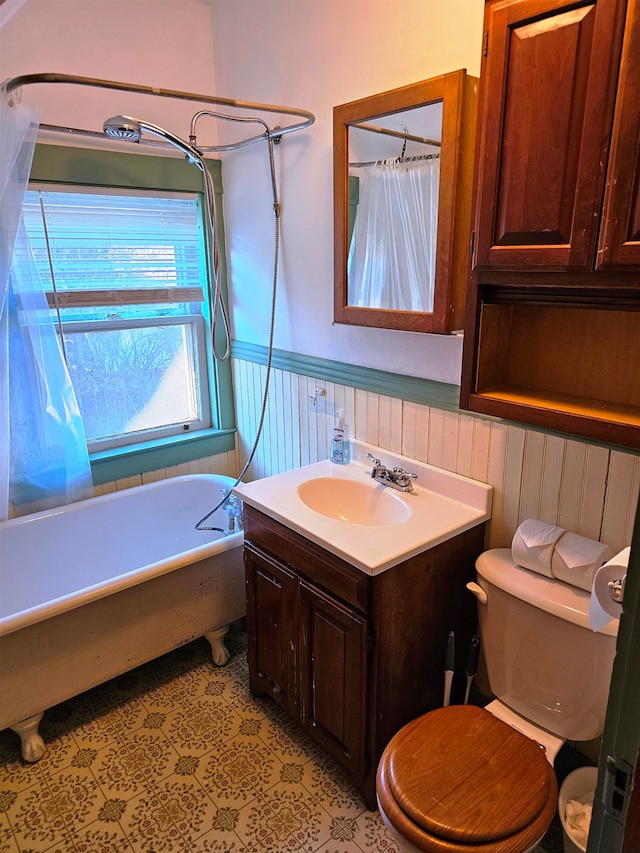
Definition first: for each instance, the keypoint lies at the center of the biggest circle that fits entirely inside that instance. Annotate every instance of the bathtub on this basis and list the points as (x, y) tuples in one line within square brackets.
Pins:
[(95, 588)]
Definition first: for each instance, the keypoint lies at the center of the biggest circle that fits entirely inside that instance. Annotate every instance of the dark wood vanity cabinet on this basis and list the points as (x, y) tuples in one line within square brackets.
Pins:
[(353, 657), (552, 329)]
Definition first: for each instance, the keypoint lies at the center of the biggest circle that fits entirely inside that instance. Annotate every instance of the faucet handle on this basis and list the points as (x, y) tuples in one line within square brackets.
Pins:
[(373, 459), (404, 473)]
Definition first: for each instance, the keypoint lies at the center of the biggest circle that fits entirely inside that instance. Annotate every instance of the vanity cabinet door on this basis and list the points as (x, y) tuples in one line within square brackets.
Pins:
[(333, 676), (547, 94), (271, 628)]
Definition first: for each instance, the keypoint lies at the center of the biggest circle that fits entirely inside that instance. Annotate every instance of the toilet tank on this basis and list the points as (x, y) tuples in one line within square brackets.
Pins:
[(542, 658)]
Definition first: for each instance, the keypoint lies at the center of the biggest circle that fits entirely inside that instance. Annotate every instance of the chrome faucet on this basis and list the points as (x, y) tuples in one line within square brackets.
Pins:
[(396, 478), (235, 516)]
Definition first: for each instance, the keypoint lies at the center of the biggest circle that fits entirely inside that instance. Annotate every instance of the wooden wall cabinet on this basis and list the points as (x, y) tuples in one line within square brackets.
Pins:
[(352, 657), (552, 327)]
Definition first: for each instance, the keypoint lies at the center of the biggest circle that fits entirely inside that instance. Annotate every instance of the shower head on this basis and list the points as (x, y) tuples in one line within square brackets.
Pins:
[(123, 127), (130, 130)]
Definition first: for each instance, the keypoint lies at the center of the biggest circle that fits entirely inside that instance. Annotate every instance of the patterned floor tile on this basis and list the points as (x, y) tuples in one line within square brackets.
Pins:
[(152, 752), (282, 735), (35, 822), (220, 839), (199, 732), (224, 780), (373, 836), (97, 837), (7, 839), (74, 794), (285, 816), (148, 826), (15, 774), (117, 772), (93, 733), (324, 779), (188, 806), (178, 757)]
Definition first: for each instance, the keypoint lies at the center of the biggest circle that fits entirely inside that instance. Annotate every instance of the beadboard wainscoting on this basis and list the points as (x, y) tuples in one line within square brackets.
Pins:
[(587, 488)]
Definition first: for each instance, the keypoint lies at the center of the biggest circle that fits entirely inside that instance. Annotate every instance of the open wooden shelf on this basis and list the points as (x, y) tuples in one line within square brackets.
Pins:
[(593, 419), (563, 367)]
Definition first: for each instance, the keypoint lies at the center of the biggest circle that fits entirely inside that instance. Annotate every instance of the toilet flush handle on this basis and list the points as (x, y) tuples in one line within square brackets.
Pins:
[(479, 593)]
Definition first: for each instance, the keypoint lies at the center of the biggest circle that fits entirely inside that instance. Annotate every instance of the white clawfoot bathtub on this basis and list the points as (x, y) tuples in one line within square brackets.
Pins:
[(93, 589)]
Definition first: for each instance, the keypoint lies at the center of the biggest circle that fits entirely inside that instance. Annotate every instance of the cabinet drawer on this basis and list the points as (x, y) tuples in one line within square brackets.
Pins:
[(308, 559)]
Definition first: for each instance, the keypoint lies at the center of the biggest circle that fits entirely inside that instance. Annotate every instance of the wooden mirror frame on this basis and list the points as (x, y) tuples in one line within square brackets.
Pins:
[(458, 93)]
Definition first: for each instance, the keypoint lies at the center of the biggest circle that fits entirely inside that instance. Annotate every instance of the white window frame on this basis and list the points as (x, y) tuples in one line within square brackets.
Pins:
[(197, 323)]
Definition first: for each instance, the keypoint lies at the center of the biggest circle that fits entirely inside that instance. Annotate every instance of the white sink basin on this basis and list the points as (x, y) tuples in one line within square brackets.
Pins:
[(353, 502), (372, 526)]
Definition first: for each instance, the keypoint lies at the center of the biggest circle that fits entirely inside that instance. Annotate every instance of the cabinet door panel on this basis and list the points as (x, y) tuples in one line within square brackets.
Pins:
[(619, 245), (333, 654), (549, 80), (271, 629)]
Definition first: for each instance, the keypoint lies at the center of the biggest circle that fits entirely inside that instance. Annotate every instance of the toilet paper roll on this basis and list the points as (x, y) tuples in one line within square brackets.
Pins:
[(602, 607), (576, 559), (533, 545)]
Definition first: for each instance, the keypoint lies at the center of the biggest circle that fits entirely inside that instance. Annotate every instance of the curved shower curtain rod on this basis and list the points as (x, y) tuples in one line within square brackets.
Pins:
[(276, 133)]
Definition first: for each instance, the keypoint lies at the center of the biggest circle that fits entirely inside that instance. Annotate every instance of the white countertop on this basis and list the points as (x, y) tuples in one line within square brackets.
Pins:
[(441, 505)]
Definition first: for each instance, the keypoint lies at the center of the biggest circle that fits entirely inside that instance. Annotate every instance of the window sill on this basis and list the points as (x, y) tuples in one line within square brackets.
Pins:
[(108, 465)]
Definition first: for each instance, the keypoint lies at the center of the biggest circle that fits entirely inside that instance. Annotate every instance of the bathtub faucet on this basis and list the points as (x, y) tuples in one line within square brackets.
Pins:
[(233, 506)]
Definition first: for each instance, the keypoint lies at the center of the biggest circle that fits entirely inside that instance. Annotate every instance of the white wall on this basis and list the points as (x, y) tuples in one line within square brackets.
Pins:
[(316, 54), (161, 43), (308, 53)]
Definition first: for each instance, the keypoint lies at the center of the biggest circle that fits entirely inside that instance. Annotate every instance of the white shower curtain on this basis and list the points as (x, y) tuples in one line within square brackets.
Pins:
[(43, 452), (393, 250)]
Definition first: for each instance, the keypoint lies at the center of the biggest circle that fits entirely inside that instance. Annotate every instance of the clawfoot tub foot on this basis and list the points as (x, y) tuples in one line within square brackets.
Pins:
[(219, 651), (33, 747)]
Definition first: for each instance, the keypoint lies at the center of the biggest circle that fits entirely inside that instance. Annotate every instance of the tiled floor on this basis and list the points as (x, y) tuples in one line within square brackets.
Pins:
[(178, 757)]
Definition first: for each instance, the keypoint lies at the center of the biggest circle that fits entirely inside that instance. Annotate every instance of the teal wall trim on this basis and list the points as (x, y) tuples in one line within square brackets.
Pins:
[(62, 164), (163, 453), (411, 388)]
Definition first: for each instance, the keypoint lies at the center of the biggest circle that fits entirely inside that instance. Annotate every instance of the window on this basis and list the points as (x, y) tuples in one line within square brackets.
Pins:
[(125, 272)]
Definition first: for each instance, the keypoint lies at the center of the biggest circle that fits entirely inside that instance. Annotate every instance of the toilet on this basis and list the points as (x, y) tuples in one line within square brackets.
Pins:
[(464, 779)]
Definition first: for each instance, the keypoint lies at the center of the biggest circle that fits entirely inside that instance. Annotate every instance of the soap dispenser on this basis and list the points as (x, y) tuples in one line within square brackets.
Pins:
[(340, 448)]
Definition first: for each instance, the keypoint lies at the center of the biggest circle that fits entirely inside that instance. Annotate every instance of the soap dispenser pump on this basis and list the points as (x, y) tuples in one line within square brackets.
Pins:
[(340, 448)]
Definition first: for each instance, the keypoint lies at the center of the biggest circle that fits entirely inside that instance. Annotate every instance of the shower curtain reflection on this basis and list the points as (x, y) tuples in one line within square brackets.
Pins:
[(43, 453), (392, 255)]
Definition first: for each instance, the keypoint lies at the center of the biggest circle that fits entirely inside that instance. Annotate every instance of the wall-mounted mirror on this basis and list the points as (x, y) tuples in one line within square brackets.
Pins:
[(403, 163)]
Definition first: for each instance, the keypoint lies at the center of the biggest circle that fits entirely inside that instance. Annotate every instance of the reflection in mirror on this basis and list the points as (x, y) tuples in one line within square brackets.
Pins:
[(394, 174), (402, 205)]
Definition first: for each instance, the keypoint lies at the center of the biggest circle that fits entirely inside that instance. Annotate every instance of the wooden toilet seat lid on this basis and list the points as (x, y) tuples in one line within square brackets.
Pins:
[(461, 774)]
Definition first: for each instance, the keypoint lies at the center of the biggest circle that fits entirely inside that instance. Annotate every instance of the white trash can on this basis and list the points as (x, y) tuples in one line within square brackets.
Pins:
[(580, 786)]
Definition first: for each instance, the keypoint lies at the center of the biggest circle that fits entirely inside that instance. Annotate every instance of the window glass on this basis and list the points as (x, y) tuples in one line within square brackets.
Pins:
[(125, 275)]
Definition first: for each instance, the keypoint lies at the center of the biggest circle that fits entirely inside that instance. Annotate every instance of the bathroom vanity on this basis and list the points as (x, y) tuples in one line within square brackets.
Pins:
[(353, 652)]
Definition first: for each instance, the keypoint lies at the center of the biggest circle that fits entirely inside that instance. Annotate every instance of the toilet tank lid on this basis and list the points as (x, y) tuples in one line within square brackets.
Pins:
[(566, 602)]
